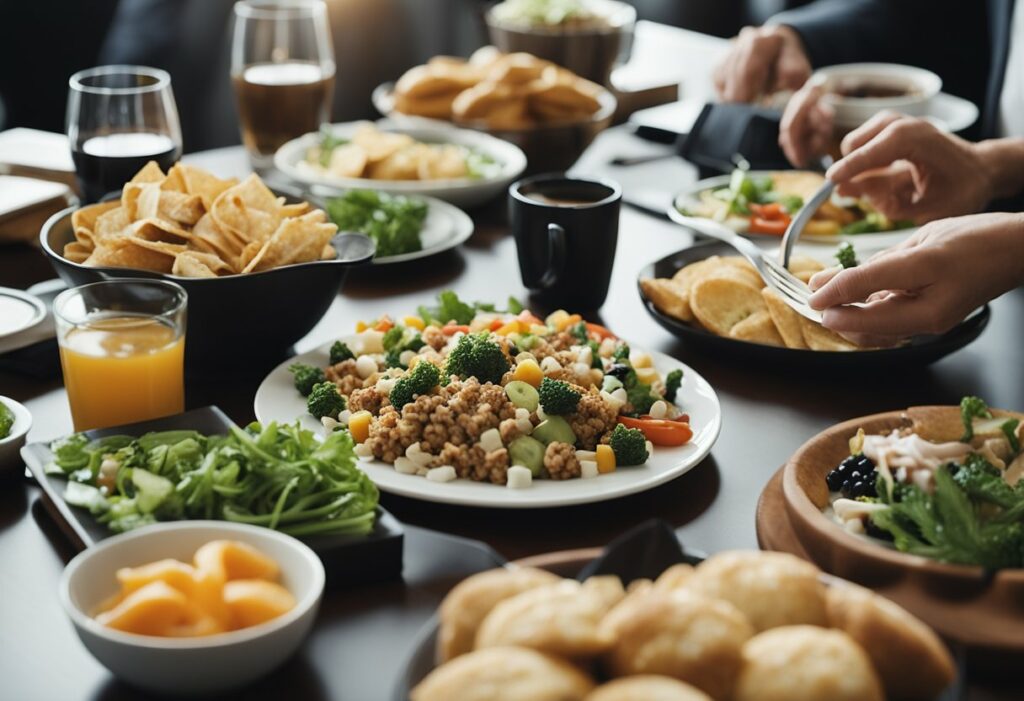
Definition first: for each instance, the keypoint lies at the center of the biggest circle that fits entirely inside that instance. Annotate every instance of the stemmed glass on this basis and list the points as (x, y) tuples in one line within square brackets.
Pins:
[(118, 119), (282, 66)]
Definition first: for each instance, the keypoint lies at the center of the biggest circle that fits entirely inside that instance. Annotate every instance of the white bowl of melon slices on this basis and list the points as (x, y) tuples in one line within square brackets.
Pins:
[(193, 607)]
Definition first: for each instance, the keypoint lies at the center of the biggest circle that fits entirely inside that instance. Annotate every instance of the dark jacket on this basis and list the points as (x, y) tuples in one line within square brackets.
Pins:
[(964, 41)]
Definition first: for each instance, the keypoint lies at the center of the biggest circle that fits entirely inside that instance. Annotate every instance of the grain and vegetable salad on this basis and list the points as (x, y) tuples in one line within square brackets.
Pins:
[(495, 395)]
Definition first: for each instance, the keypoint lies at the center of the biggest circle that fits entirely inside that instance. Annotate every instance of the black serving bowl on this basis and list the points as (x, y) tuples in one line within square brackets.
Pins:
[(249, 318)]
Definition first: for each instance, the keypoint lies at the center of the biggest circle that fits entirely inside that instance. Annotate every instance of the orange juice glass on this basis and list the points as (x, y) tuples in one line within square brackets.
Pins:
[(122, 350)]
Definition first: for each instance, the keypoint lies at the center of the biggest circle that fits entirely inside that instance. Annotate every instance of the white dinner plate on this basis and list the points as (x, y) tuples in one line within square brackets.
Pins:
[(463, 192), (690, 197), (19, 311), (277, 400)]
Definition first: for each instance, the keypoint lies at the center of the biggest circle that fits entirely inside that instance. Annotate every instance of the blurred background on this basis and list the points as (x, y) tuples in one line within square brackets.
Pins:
[(374, 41)]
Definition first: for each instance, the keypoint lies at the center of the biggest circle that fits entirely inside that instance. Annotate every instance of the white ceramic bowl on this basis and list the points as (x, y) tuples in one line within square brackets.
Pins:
[(851, 112), (461, 192), (10, 447), (199, 665)]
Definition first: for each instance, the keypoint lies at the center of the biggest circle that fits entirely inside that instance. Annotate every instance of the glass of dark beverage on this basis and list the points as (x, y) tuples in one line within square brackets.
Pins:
[(282, 66), (119, 118)]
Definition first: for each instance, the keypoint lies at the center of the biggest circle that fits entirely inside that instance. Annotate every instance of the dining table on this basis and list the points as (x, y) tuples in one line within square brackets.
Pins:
[(365, 633)]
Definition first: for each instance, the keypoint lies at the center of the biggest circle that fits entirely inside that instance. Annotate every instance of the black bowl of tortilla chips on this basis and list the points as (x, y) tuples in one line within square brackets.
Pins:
[(260, 267)]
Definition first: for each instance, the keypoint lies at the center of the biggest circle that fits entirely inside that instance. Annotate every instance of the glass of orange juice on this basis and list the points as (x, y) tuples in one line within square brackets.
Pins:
[(122, 349)]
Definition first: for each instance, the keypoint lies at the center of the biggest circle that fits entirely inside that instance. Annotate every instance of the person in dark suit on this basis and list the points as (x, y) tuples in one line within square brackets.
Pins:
[(906, 167)]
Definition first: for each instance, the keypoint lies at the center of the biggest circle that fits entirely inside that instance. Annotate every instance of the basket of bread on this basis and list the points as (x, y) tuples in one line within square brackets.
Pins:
[(548, 111)]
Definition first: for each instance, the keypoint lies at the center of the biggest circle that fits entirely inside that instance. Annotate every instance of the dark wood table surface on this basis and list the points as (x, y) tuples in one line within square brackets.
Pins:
[(363, 635)]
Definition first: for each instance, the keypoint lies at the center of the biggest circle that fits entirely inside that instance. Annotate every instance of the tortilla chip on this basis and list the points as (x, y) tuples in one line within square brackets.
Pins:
[(159, 230), (378, 145), (819, 338), (174, 182), (800, 264), (785, 318), (179, 207), (147, 202), (296, 241), (126, 252), (77, 251), (207, 231), (254, 193), (149, 173), (111, 224), (295, 210), (206, 185), (757, 328), (188, 265), (721, 302), (83, 220)]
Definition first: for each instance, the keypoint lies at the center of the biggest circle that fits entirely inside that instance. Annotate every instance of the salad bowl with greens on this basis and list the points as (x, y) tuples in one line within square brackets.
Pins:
[(925, 505), (488, 164)]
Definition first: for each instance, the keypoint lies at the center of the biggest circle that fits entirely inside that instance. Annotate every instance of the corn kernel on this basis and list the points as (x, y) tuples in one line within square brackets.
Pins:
[(414, 322)]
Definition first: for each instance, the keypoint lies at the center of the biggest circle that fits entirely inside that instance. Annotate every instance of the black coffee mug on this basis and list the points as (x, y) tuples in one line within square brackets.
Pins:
[(566, 230)]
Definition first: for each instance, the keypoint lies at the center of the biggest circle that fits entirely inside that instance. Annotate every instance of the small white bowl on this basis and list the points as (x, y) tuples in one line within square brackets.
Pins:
[(461, 192), (200, 665), (10, 447), (851, 112)]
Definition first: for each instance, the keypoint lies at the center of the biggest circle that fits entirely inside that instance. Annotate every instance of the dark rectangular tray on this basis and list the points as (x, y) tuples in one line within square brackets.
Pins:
[(348, 559)]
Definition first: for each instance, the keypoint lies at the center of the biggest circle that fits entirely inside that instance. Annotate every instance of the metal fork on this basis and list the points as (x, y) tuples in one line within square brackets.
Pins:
[(793, 291), (796, 227)]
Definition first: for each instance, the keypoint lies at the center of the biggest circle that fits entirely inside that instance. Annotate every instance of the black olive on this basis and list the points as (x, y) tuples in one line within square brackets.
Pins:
[(513, 350), (855, 476), (835, 480), (618, 370)]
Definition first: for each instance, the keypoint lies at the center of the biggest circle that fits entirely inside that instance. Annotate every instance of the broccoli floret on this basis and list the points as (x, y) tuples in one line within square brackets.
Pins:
[(846, 256), (629, 446), (557, 397), (982, 480), (639, 395), (595, 355), (393, 358), (6, 420), (340, 353), (393, 337), (672, 383), (325, 400), (972, 408), (424, 377), (475, 355), (305, 376), (621, 354)]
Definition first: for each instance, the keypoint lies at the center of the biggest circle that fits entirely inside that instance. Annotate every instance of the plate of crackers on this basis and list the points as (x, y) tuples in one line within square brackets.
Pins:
[(711, 298), (548, 111), (261, 267), (460, 166)]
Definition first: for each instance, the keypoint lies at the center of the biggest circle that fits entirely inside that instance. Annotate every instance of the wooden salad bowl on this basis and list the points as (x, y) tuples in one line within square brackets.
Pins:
[(979, 608)]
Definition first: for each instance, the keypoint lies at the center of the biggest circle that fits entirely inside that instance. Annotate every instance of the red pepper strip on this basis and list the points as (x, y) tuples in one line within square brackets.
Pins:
[(660, 431), (383, 324), (600, 331), (452, 329), (775, 227), (771, 211), (496, 324)]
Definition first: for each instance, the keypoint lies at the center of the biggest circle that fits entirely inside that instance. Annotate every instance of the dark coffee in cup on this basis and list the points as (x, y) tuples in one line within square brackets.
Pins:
[(566, 230)]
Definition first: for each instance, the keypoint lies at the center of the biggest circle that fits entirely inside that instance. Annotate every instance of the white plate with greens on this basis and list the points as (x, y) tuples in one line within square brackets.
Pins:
[(403, 227), (277, 400), (492, 163), (701, 198)]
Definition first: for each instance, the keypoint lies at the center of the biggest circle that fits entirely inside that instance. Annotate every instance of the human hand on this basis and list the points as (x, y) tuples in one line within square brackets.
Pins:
[(762, 61), (805, 131), (925, 285), (909, 169)]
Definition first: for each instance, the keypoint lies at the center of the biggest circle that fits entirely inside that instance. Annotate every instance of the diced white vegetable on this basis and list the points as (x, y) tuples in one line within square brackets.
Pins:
[(405, 466), (445, 473), (415, 453), (582, 455), (525, 426), (386, 384), (525, 355), (581, 370), (658, 410), (365, 366), (363, 450), (522, 413), (549, 364), (585, 356), (620, 394), (406, 356), (588, 468), (422, 471), (540, 413), (650, 449), (612, 401), (855, 526), (539, 330), (490, 440), (344, 416), (326, 421), (519, 477), (607, 348), (369, 341)]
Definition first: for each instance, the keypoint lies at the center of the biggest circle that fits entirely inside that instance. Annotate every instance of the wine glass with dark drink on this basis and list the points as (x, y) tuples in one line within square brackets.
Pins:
[(119, 118), (282, 66)]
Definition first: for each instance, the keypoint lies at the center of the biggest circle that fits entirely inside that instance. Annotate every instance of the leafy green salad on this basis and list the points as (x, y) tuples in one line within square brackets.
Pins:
[(959, 501), (394, 222), (278, 476), (6, 421)]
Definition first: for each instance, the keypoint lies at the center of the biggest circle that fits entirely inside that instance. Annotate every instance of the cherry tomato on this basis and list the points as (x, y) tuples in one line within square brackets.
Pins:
[(775, 227)]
